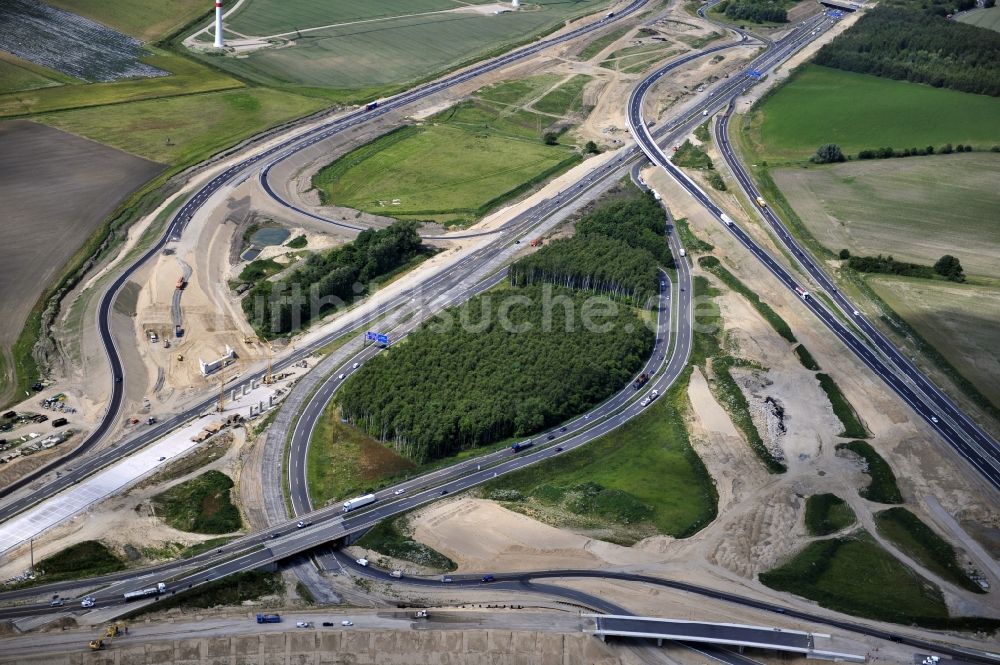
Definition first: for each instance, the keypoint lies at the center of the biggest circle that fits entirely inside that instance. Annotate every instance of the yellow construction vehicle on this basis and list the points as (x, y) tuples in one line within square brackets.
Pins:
[(115, 629), (97, 645)]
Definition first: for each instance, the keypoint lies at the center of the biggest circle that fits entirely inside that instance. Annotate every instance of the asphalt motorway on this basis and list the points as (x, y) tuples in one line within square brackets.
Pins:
[(976, 446), (180, 219)]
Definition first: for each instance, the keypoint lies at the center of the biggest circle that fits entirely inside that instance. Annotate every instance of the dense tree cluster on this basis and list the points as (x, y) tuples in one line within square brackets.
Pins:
[(507, 363), (887, 153), (886, 265), (828, 153), (637, 221), (592, 263), (760, 11), (950, 267), (329, 279), (914, 44)]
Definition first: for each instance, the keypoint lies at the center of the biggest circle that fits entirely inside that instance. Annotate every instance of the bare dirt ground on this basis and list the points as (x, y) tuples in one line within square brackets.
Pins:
[(56, 188)]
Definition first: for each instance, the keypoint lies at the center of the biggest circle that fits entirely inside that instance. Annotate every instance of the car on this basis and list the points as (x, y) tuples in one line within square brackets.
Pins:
[(342, 377), (857, 313), (87, 602), (486, 579), (355, 365), (562, 429), (399, 491), (362, 562), (57, 602), (162, 457), (327, 624), (301, 524), (276, 535), (302, 624), (446, 579), (346, 622), (559, 449), (934, 419), (550, 437), (444, 491)]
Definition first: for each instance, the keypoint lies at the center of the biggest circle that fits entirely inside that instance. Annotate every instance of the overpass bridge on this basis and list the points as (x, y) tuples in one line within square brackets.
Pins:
[(729, 634)]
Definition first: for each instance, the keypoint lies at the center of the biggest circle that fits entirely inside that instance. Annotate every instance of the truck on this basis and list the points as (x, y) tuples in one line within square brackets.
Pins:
[(761, 202), (727, 219), (396, 573), (802, 292), (371, 106), (536, 242), (268, 618), (518, 447), (656, 195), (641, 381), (178, 331), (147, 592), (180, 282), (59, 422), (358, 501)]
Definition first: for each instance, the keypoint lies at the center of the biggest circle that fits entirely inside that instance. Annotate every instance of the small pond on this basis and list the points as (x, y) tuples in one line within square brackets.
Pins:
[(269, 236)]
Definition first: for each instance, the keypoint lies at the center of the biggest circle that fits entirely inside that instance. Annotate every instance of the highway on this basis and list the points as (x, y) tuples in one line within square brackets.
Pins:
[(179, 221), (986, 463), (977, 447)]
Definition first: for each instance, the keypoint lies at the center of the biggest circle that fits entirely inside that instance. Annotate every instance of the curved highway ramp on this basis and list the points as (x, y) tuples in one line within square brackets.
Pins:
[(731, 634)]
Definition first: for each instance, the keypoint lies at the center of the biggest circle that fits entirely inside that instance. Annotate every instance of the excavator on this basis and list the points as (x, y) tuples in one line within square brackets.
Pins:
[(113, 630)]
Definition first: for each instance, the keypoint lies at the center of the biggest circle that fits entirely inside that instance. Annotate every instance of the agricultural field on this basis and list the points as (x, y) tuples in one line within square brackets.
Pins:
[(187, 77), (146, 20), (17, 75), (70, 44), (567, 98), (915, 208), (366, 59), (457, 165), (176, 130), (961, 321), (984, 18), (57, 189), (819, 105)]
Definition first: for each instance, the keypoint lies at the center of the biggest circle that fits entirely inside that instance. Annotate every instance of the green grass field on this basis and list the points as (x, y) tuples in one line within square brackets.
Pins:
[(595, 46), (826, 514), (635, 59), (148, 20), (371, 56), (200, 505), (959, 320), (195, 125), (188, 77), (646, 467), (343, 461), (916, 208), (18, 75), (853, 427), (81, 560), (911, 535), (391, 537), (856, 576), (820, 105), (567, 98), (984, 18), (883, 487), (454, 167)]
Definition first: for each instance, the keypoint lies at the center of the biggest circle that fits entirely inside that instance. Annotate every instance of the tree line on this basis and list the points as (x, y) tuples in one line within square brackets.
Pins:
[(909, 43), (329, 279), (591, 263), (638, 221), (947, 266), (470, 377)]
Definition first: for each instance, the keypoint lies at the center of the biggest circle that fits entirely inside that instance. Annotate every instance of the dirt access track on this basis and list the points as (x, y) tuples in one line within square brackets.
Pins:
[(56, 190)]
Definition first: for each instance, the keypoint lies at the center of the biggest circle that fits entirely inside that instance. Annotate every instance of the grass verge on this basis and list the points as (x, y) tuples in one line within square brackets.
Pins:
[(690, 241), (911, 535), (826, 514), (200, 505), (806, 358), (233, 590), (883, 487), (85, 559), (714, 266), (853, 427), (856, 576)]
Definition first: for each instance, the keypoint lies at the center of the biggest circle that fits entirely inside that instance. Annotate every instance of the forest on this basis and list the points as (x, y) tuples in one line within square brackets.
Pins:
[(759, 11), (508, 363), (637, 221), (592, 263), (908, 42), (329, 279)]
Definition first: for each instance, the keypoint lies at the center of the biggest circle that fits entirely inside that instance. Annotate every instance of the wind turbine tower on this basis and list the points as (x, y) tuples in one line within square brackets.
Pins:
[(218, 24)]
